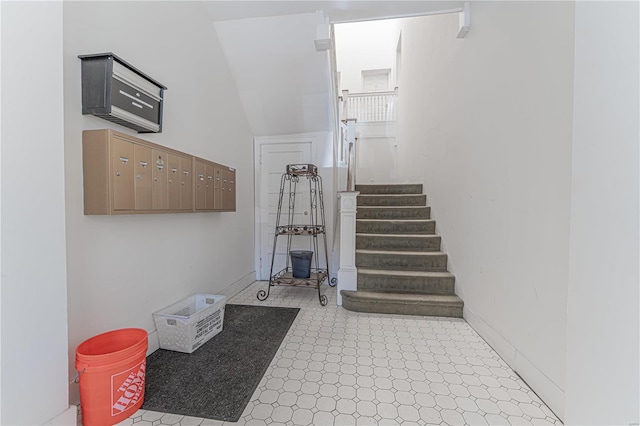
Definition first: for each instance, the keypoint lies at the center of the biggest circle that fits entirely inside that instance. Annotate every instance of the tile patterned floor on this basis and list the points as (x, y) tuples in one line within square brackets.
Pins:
[(343, 368)]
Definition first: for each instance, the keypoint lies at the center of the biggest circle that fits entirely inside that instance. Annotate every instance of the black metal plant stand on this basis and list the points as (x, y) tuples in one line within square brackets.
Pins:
[(285, 227)]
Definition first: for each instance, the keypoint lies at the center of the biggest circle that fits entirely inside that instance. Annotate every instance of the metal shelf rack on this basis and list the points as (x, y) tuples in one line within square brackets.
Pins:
[(300, 174)]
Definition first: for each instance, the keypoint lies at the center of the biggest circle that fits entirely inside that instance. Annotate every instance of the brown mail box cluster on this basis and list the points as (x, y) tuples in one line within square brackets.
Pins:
[(127, 175)]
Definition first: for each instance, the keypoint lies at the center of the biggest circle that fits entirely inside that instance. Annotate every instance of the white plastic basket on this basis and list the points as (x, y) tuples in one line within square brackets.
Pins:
[(188, 324)]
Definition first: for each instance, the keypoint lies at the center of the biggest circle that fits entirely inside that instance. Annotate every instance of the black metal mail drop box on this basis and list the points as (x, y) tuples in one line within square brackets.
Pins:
[(116, 91)]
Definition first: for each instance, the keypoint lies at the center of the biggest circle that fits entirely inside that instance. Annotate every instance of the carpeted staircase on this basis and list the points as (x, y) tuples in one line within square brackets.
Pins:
[(401, 269)]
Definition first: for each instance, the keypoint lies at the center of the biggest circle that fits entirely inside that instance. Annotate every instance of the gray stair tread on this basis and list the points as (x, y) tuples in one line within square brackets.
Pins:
[(428, 236), (392, 200), (391, 195), (395, 220), (391, 207), (409, 253), (406, 298), (438, 274), (389, 188)]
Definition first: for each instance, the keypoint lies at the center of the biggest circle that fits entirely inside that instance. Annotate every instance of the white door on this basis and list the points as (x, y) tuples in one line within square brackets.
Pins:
[(272, 162), (375, 81)]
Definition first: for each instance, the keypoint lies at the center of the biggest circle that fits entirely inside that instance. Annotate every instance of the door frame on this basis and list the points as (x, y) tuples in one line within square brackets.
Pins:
[(315, 139)]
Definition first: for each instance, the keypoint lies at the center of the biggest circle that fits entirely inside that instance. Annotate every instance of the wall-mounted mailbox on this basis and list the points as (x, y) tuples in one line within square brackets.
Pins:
[(124, 174), (116, 91)]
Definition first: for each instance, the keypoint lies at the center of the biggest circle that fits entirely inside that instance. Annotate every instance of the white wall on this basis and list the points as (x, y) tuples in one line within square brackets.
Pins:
[(0, 217), (369, 45), (123, 268), (283, 82), (377, 153), (34, 279), (602, 323), (485, 123)]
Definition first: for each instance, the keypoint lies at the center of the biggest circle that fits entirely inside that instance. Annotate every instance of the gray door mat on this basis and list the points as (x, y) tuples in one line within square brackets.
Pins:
[(219, 378)]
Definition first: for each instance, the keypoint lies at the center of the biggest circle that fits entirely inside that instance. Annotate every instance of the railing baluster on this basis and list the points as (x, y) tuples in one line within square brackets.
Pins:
[(372, 108), (387, 98), (383, 108), (365, 107), (373, 101), (365, 110)]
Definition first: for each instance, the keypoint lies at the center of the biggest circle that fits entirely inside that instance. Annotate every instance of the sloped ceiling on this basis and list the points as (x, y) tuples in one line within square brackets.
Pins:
[(283, 82)]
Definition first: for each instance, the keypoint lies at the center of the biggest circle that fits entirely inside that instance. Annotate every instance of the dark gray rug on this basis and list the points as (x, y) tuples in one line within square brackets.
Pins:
[(217, 380)]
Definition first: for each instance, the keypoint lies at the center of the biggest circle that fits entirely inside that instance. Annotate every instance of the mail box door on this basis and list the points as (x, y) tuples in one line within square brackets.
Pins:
[(228, 190), (134, 101), (142, 167), (201, 191), (232, 190), (186, 184), (210, 186), (173, 184), (160, 199), (217, 188), (122, 174)]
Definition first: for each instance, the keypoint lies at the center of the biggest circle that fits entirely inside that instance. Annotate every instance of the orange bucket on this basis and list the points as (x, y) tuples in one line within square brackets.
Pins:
[(111, 369)]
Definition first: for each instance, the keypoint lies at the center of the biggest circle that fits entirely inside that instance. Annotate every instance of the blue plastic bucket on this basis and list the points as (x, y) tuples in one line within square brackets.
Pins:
[(301, 263)]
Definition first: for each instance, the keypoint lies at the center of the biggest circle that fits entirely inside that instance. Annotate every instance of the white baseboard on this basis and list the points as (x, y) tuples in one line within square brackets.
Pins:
[(154, 342), (239, 285), (506, 351), (545, 388), (68, 417)]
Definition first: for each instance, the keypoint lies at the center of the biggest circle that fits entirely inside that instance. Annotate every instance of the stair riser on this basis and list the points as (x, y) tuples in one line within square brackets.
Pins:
[(396, 227), (394, 284), (395, 213), (392, 200), (402, 262), (383, 242), (402, 309), (390, 189)]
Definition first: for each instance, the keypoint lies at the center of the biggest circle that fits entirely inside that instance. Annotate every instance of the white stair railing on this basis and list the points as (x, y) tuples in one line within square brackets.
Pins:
[(347, 271), (370, 107)]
